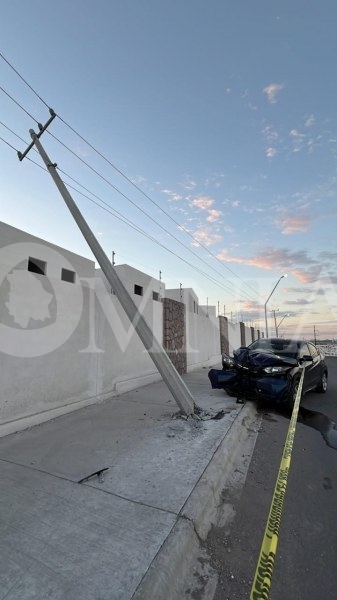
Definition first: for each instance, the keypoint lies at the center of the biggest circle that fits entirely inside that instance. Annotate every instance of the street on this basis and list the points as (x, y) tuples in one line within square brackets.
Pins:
[(305, 566)]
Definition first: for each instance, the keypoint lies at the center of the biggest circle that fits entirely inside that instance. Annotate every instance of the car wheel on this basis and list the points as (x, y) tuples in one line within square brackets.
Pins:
[(293, 394), (323, 385)]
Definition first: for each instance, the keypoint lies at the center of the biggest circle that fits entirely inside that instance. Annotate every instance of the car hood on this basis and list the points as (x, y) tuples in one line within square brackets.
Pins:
[(259, 358)]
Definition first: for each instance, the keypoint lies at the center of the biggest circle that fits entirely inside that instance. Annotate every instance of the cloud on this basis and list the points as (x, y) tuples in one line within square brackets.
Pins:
[(298, 140), (271, 152), (189, 183), (269, 133), (272, 90), (296, 134), (270, 258), (206, 238), (310, 120), (228, 229), (308, 276), (213, 215), (289, 224), (299, 302), (172, 195), (235, 203), (203, 202), (303, 290)]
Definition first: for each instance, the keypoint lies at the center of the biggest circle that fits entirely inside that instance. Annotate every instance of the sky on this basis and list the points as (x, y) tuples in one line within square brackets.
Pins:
[(216, 127)]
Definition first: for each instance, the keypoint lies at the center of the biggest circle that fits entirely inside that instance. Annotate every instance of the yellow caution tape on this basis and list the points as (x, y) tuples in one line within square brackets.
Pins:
[(265, 566)]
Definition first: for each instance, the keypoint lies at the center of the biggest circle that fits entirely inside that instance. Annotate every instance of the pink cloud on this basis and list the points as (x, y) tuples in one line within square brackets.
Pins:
[(204, 237), (272, 90), (213, 215), (310, 275), (289, 224), (203, 202), (271, 258)]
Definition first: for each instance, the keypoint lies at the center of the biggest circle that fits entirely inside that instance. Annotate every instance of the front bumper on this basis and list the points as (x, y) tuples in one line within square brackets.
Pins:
[(272, 389)]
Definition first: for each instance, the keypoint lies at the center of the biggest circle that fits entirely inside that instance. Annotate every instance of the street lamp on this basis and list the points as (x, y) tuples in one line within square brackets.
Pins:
[(277, 327), (265, 306)]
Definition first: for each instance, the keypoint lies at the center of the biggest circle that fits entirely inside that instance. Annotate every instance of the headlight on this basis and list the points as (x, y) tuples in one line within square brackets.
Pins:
[(271, 370)]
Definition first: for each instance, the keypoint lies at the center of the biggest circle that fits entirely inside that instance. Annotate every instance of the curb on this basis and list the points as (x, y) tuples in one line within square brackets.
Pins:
[(168, 572)]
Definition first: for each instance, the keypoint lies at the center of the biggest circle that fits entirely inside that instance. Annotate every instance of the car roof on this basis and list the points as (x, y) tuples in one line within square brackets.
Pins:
[(284, 341), (281, 343)]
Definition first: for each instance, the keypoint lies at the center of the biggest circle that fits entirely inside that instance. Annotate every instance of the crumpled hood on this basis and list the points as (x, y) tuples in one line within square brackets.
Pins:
[(261, 359)]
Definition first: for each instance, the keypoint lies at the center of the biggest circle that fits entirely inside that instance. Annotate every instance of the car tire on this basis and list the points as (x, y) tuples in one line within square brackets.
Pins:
[(323, 385), (292, 394)]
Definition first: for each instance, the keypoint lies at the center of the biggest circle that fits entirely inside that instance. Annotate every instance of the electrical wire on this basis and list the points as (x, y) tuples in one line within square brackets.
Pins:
[(24, 80), (107, 208), (135, 205), (18, 104), (123, 175), (8, 144), (116, 214)]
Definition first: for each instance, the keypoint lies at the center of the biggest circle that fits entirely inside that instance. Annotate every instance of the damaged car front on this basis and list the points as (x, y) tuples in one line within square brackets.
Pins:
[(270, 369), (268, 376)]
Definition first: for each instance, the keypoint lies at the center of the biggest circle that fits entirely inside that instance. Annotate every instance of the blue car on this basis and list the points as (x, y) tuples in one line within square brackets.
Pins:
[(270, 369)]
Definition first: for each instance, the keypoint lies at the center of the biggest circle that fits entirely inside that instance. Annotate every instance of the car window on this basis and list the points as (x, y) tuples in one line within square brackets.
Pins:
[(260, 344), (313, 350)]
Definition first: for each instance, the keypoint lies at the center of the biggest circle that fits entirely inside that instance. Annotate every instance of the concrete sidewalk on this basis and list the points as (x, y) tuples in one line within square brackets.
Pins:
[(132, 535)]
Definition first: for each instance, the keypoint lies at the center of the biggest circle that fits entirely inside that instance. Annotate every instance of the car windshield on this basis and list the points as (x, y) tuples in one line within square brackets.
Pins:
[(279, 346)]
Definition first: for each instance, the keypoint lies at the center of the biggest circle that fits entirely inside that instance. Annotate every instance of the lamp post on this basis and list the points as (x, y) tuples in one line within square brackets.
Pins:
[(270, 295), (277, 327)]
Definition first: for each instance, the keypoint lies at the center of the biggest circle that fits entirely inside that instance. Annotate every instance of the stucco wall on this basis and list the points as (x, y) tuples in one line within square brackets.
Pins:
[(202, 340), (65, 345)]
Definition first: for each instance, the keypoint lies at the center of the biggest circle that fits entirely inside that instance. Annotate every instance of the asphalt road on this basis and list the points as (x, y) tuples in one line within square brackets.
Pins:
[(306, 560)]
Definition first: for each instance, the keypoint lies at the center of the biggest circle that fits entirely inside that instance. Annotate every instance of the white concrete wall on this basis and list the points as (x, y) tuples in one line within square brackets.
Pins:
[(234, 335), (202, 340), (124, 363), (65, 345), (81, 348), (43, 328), (248, 335)]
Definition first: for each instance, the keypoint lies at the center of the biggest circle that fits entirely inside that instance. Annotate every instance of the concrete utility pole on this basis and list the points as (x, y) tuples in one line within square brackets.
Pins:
[(170, 375)]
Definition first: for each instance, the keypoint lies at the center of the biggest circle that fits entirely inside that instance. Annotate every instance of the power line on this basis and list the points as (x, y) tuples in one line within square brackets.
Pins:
[(151, 200), (107, 208), (125, 177), (13, 132), (24, 80), (18, 104), (133, 203), (8, 144)]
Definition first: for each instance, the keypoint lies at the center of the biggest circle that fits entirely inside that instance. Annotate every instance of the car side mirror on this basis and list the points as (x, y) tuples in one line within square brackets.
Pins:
[(306, 358)]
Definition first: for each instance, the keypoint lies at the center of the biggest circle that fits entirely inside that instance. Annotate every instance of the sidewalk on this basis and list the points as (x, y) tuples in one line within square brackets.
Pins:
[(128, 536)]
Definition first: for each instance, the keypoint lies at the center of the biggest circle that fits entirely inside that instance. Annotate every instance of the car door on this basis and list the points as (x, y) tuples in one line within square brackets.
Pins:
[(309, 374), (316, 370)]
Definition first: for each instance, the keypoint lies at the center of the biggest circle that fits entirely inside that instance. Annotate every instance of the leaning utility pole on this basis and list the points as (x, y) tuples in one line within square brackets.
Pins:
[(170, 375)]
